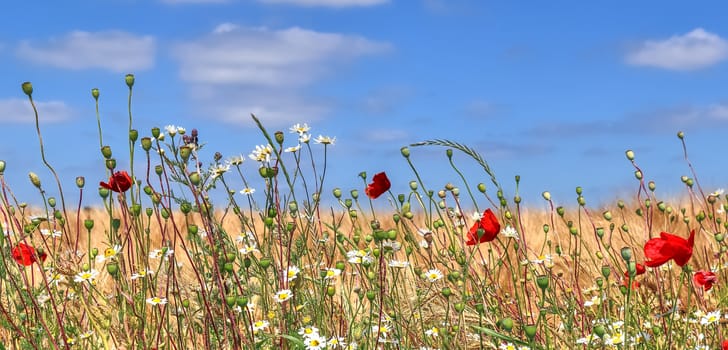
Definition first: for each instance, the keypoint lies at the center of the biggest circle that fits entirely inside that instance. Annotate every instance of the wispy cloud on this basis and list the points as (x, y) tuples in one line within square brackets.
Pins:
[(327, 3), (694, 50), (18, 110), (116, 51), (238, 70)]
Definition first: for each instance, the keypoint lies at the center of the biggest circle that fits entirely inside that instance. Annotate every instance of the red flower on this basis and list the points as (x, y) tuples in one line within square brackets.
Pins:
[(118, 182), (25, 255), (724, 345), (639, 269), (668, 246), (705, 279), (484, 230), (380, 184)]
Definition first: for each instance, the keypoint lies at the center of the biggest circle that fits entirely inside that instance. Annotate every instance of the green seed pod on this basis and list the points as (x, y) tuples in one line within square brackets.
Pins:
[(2, 167), (106, 152), (606, 271), (95, 93), (560, 211), (330, 291), (405, 152), (680, 135), (34, 179), (111, 164), (546, 195), (278, 135), (626, 253), (629, 154), (231, 300), (146, 143), (530, 331), (607, 215), (88, 224), (337, 193), (481, 187), (264, 263), (459, 307), (370, 295), (129, 80), (542, 281), (113, 269), (27, 88), (505, 324), (185, 152)]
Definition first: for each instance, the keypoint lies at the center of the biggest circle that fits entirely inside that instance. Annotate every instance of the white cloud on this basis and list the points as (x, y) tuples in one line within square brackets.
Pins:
[(327, 3), (19, 110), (386, 135), (694, 50), (236, 70), (117, 51), (264, 57)]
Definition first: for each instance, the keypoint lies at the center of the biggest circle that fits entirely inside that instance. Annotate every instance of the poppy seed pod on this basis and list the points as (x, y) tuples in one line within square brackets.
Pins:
[(129, 80), (95, 93), (405, 152), (106, 152), (80, 181), (680, 135), (2, 166), (28, 88), (133, 135), (629, 154)]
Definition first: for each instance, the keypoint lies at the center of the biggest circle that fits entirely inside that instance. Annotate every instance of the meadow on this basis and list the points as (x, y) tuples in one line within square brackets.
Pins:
[(453, 265)]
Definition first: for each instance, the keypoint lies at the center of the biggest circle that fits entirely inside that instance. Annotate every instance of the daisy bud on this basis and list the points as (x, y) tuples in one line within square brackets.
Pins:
[(405, 152), (95, 93), (34, 179), (28, 88), (279, 137), (2, 167), (626, 253), (129, 80), (546, 195), (133, 135), (680, 135), (630, 154), (111, 164), (88, 224)]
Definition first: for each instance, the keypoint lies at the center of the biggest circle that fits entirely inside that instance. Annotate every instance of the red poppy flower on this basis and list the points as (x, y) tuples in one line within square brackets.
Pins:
[(635, 284), (639, 269), (668, 246), (484, 230), (118, 182), (724, 345), (705, 279), (25, 255), (380, 184)]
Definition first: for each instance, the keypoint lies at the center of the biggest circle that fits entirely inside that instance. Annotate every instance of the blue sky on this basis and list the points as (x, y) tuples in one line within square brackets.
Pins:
[(553, 92)]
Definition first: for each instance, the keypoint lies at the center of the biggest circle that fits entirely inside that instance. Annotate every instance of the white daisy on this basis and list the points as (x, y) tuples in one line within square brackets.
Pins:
[(283, 295), (156, 301), (325, 140)]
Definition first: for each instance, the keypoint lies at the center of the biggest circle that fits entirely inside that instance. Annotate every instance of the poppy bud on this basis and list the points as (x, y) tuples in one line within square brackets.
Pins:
[(600, 232), (680, 135), (34, 179), (2, 167), (28, 88), (129, 80), (279, 137), (626, 253), (625, 228), (113, 269), (405, 152), (719, 237), (620, 204), (607, 215), (353, 214), (629, 154), (546, 195), (133, 135), (158, 169), (95, 93)]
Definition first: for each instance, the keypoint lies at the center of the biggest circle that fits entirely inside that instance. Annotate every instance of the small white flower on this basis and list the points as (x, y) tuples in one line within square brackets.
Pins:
[(247, 249), (308, 331), (315, 342), (86, 276), (325, 140), (260, 325), (398, 264), (710, 318), (141, 274), (47, 232), (433, 332), (337, 342), (595, 300), (292, 272), (717, 193), (156, 301), (332, 273), (109, 253), (304, 138), (510, 232), (236, 160), (247, 191), (218, 169), (262, 153), (161, 253), (283, 295), (42, 298), (300, 129), (171, 130), (359, 256), (293, 149), (433, 275)]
